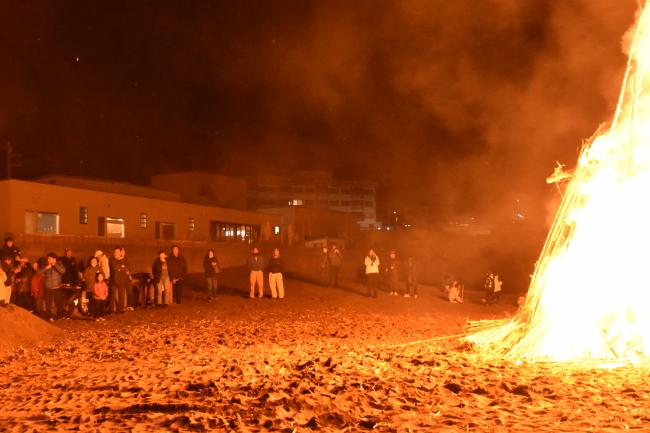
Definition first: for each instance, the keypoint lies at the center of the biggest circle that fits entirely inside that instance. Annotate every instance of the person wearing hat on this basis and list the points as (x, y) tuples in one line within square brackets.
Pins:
[(104, 265)]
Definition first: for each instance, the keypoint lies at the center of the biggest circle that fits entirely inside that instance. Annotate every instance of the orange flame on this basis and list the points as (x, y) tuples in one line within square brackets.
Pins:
[(590, 294)]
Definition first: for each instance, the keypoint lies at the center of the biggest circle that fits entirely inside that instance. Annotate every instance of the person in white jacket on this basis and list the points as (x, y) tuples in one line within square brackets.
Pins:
[(372, 272)]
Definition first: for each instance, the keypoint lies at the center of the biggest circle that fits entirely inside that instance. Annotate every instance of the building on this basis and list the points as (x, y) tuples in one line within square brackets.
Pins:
[(310, 189), (305, 225), (66, 206), (318, 190)]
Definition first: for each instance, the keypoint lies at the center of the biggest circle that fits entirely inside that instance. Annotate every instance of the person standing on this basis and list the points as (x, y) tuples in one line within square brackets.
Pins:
[(24, 284), (89, 278), (5, 289), (10, 249), (256, 267), (52, 274), (104, 264), (71, 275), (121, 280), (100, 296), (372, 272), (38, 289), (336, 259), (211, 271), (393, 274), (411, 278), (489, 289), (325, 267), (161, 280), (275, 275), (177, 273)]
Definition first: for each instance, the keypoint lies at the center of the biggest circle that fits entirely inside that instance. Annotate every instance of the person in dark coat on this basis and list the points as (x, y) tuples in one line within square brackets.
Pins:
[(71, 275), (10, 249), (177, 273), (161, 280), (120, 280), (211, 271)]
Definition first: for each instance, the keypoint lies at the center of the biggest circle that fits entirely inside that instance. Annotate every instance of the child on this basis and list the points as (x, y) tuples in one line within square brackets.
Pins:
[(100, 295), (38, 289)]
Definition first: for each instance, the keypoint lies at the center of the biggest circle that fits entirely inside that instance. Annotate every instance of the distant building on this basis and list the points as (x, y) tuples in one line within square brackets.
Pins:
[(309, 189), (318, 190)]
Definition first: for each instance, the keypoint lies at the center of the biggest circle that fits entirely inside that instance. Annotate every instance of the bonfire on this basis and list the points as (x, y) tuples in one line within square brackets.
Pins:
[(589, 297)]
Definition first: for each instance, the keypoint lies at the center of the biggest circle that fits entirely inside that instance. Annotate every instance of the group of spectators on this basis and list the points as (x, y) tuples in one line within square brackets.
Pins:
[(372, 270), (54, 287)]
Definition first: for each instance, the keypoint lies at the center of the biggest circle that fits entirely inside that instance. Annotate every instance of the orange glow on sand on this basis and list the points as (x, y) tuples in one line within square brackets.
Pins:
[(589, 298)]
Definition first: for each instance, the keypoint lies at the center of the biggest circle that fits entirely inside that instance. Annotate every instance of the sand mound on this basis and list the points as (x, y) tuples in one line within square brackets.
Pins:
[(22, 328)]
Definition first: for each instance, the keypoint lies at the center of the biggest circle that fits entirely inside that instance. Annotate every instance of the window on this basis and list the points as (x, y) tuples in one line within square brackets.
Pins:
[(166, 231), (233, 232), (115, 227), (47, 222), (191, 226), (276, 230), (83, 215), (143, 220), (295, 202)]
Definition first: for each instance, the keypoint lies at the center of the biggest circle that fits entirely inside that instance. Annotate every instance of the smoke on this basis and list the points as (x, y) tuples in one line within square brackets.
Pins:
[(463, 106)]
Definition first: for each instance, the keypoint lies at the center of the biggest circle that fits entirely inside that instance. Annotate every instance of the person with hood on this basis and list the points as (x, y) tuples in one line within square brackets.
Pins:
[(120, 280), (371, 264), (211, 271), (256, 267), (177, 273), (161, 279)]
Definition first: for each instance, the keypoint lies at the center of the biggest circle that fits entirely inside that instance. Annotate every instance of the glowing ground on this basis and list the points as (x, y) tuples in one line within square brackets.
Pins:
[(323, 359)]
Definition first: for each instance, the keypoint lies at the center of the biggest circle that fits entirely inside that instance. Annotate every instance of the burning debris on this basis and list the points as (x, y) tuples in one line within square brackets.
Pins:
[(588, 298)]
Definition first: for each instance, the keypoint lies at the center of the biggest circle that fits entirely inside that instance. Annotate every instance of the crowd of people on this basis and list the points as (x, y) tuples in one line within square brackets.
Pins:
[(56, 286)]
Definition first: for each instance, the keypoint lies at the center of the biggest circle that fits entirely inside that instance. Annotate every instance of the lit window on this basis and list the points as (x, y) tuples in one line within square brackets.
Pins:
[(190, 224), (83, 215), (47, 222), (295, 203), (143, 220), (115, 227), (276, 230)]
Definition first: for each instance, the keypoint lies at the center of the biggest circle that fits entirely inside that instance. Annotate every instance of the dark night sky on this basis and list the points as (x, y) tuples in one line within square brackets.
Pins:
[(461, 104)]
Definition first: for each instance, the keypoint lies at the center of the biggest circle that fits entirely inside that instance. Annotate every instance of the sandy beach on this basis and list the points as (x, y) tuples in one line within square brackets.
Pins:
[(322, 359)]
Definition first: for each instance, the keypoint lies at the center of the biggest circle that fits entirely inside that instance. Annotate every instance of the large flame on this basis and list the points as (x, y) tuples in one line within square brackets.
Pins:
[(590, 294)]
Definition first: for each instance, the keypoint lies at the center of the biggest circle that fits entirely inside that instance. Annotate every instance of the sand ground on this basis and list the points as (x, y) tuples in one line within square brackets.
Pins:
[(321, 359)]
